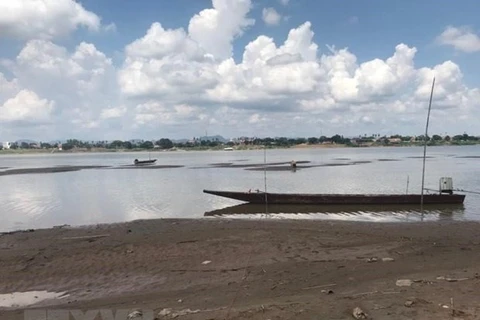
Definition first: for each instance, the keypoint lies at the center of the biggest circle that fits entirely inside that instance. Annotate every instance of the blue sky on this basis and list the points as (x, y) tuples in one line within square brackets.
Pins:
[(117, 89)]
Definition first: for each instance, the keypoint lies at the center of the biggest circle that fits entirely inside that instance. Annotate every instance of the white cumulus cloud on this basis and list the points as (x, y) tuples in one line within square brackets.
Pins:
[(271, 17), (462, 39), (179, 82), (215, 29), (26, 106), (44, 19)]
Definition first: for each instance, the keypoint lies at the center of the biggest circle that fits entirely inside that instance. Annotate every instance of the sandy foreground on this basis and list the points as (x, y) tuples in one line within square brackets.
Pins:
[(251, 269)]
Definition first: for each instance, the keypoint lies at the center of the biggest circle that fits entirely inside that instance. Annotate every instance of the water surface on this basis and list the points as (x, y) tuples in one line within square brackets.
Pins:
[(105, 195)]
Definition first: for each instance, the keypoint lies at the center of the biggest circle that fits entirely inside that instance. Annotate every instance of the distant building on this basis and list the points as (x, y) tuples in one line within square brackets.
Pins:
[(6, 145), (395, 140), (59, 147)]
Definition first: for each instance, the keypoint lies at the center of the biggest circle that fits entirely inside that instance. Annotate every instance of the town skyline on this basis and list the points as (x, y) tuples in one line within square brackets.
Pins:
[(218, 140)]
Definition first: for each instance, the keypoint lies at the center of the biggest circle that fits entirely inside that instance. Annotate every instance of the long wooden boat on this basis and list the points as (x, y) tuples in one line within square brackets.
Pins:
[(338, 199)]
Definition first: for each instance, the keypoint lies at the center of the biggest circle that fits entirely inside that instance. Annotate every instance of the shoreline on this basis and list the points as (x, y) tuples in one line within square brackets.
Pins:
[(273, 269), (243, 148)]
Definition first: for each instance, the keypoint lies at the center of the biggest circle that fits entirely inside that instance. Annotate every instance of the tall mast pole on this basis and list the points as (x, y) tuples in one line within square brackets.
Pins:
[(425, 146)]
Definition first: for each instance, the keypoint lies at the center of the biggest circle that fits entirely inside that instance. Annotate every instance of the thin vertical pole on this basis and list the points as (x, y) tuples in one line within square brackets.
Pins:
[(425, 145), (265, 176), (408, 181)]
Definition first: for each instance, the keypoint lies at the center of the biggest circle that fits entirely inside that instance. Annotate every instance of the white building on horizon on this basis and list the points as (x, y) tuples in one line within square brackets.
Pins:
[(6, 145)]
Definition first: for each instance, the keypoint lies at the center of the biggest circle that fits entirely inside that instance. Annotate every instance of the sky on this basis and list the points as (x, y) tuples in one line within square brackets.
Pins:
[(145, 69)]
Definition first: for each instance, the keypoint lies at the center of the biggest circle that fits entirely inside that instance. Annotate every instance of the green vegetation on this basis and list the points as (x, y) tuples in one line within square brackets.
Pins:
[(74, 145)]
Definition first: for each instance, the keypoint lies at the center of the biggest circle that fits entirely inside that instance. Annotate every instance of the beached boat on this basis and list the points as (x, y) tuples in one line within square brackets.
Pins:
[(260, 197), (140, 162)]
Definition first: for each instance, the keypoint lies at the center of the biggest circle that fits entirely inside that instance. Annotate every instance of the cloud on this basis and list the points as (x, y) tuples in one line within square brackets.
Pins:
[(291, 78), (26, 106), (215, 29), (7, 88), (153, 113), (79, 83), (178, 82), (110, 113), (271, 17), (462, 39), (111, 27), (45, 19), (284, 2)]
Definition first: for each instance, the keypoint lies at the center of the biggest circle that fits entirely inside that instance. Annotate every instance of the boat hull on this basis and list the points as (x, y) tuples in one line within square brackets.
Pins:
[(338, 199), (141, 162)]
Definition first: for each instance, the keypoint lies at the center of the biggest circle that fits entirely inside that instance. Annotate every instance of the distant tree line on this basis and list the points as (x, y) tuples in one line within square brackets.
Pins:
[(165, 143)]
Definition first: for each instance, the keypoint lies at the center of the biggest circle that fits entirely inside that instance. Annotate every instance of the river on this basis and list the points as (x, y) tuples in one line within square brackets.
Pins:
[(109, 195)]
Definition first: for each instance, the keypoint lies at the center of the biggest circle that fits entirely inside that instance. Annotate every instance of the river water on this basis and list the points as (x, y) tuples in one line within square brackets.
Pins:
[(108, 195)]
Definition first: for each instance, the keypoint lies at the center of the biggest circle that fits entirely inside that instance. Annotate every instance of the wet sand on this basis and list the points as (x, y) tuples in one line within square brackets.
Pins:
[(299, 167), (243, 269), (158, 166), (58, 169), (48, 170)]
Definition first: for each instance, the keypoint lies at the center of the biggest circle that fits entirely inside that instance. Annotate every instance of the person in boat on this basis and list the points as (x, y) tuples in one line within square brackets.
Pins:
[(135, 161), (293, 164)]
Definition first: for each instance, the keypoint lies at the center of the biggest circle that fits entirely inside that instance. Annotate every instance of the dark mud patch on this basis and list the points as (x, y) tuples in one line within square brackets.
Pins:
[(360, 162), (278, 168), (333, 165), (387, 160), (420, 157), (49, 170), (240, 160), (289, 168), (220, 164), (2, 168), (258, 166), (132, 166), (468, 157), (253, 165)]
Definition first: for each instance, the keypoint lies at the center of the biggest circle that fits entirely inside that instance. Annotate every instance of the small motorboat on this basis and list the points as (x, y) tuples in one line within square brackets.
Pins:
[(143, 162)]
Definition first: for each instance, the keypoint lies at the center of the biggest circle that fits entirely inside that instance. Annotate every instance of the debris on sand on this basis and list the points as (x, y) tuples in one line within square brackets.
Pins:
[(206, 262), (451, 279), (409, 303), (165, 312), (359, 313), (370, 260), (134, 315), (404, 283), (87, 237), (168, 313), (388, 259)]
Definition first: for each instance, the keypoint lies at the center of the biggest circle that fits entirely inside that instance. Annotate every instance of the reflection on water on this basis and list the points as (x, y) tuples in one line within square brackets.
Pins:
[(173, 188), (365, 212)]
